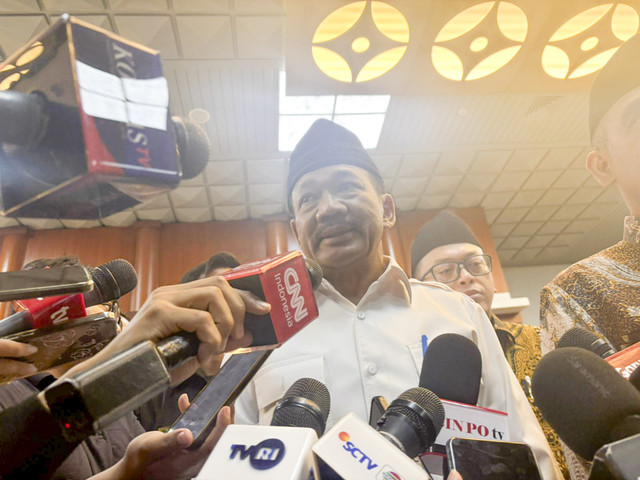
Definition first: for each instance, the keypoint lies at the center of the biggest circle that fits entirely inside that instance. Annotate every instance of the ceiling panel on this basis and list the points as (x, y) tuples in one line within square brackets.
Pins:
[(519, 156)]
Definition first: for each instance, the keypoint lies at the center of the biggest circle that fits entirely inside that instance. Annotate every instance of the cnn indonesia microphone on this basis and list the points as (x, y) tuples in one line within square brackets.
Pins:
[(103, 396)]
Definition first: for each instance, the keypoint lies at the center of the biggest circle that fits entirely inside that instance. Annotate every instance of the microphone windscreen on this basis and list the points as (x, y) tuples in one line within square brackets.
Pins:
[(111, 281), (451, 368), (582, 338), (315, 272), (193, 147), (413, 421), (584, 399), (305, 404)]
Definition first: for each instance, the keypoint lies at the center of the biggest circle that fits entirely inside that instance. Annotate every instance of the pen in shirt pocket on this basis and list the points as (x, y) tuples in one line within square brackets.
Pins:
[(425, 341)]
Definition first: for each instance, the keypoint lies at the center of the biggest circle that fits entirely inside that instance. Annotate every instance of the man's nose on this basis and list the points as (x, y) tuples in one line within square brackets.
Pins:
[(329, 205), (465, 277)]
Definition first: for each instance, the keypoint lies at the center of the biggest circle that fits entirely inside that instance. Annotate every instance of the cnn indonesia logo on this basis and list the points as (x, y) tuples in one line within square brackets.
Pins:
[(289, 286)]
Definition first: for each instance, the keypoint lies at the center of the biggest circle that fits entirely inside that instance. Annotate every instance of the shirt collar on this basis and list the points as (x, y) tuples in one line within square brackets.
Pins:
[(393, 281), (631, 229)]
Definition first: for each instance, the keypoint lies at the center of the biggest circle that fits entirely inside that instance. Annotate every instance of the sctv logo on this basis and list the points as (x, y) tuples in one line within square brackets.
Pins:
[(356, 452), (292, 285), (267, 454)]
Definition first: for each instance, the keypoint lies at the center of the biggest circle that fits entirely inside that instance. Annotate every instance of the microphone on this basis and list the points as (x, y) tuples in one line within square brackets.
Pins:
[(286, 281), (281, 451), (282, 281), (354, 450), (625, 362), (95, 138), (306, 404), (110, 282), (451, 368), (582, 338), (585, 401)]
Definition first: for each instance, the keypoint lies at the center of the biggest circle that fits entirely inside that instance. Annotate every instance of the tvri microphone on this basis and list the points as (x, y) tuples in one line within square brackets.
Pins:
[(86, 128), (92, 399)]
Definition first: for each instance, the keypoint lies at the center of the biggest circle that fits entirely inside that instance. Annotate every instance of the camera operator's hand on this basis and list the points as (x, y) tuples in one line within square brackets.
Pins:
[(10, 368), (210, 307)]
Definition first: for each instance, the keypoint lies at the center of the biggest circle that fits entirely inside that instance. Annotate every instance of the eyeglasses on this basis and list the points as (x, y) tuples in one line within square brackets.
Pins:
[(448, 272)]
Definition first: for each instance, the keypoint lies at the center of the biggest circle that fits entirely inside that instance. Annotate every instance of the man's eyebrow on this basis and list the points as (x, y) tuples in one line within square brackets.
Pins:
[(631, 113)]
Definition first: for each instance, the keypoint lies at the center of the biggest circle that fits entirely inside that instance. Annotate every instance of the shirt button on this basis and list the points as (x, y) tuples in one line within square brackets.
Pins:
[(372, 369), (361, 315)]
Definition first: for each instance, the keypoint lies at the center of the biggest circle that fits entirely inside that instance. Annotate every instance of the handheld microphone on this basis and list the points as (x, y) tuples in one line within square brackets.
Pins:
[(582, 338), (585, 401), (110, 282), (95, 397), (286, 281), (306, 404), (354, 450), (281, 451), (86, 126)]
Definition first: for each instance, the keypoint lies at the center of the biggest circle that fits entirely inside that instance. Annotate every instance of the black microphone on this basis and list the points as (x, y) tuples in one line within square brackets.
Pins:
[(585, 400), (412, 421), (452, 368), (97, 137), (582, 338), (305, 404), (110, 282)]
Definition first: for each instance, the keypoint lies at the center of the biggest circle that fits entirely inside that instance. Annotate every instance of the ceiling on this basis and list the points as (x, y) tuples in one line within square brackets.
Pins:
[(520, 156)]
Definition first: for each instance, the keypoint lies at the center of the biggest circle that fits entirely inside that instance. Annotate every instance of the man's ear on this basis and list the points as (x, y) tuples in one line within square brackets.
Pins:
[(388, 211), (294, 229), (599, 164)]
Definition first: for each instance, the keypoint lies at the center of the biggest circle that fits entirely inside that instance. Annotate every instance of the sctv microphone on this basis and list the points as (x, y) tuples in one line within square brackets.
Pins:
[(281, 451), (86, 126), (352, 450), (589, 405), (110, 281)]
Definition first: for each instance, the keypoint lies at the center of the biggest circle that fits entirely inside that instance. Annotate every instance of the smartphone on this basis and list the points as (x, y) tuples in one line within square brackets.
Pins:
[(483, 459), (379, 405), (67, 342), (222, 390), (44, 282)]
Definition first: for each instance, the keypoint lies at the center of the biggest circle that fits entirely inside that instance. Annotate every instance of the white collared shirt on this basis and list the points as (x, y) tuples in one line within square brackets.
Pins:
[(375, 348)]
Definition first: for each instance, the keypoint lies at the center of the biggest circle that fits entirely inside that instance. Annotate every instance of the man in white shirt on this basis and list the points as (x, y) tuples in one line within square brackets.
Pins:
[(373, 320)]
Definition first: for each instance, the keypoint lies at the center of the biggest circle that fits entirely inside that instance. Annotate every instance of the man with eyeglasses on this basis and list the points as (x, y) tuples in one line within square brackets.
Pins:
[(446, 251)]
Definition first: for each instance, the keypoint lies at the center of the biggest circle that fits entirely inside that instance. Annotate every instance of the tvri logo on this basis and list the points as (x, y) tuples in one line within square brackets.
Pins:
[(363, 40), (386, 473), (263, 456), (288, 286)]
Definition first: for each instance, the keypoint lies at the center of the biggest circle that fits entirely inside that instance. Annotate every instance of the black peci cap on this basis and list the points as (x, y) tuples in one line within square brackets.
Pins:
[(326, 143)]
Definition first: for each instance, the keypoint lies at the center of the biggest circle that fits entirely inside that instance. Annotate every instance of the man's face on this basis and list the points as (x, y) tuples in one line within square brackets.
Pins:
[(339, 217), (479, 288), (620, 162)]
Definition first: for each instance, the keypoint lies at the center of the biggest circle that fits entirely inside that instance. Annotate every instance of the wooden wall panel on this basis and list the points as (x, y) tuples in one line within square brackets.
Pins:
[(184, 245), (163, 253)]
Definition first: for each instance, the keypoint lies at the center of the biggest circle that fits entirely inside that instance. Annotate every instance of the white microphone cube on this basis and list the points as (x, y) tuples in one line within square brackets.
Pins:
[(262, 452)]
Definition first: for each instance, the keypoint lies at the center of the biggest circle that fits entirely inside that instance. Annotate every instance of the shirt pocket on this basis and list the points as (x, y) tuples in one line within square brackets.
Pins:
[(415, 350), (273, 381)]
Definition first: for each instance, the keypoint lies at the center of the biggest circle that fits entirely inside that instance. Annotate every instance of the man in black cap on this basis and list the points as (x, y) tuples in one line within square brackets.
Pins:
[(446, 251), (374, 322), (602, 292)]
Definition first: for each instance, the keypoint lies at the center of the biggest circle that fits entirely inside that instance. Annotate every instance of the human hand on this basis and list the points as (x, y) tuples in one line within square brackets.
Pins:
[(210, 307), (157, 455), (10, 369)]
